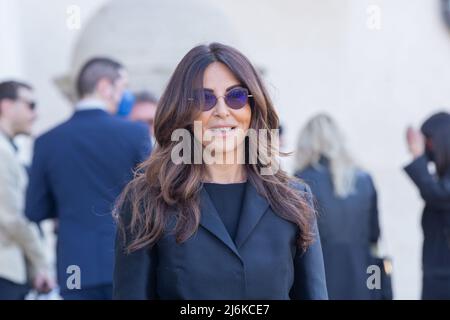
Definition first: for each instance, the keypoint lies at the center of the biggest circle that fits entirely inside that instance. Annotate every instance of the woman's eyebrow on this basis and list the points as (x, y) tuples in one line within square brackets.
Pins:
[(233, 86), (227, 89)]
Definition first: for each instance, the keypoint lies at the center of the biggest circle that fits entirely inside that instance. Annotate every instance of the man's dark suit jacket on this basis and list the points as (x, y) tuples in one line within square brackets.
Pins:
[(78, 170)]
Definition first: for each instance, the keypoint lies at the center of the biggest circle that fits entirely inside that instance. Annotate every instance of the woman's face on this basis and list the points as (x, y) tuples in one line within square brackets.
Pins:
[(223, 128)]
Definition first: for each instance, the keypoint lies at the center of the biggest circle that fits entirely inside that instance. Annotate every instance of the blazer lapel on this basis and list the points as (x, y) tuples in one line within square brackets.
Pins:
[(211, 221), (253, 208)]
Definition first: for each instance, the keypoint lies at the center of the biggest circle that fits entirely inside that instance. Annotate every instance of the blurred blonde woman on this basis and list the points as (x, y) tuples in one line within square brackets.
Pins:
[(347, 204)]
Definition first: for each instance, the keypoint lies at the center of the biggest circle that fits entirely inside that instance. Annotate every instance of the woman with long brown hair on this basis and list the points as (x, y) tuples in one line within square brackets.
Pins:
[(193, 226)]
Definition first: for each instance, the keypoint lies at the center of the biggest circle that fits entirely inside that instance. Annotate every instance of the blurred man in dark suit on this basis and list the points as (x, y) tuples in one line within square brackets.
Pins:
[(78, 170), (144, 109)]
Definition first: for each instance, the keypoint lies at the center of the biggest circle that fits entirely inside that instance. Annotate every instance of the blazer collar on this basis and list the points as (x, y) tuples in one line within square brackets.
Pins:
[(210, 220), (253, 208), (90, 104)]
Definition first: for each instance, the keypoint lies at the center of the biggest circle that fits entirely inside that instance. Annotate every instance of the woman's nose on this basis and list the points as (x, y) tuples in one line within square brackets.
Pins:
[(221, 108)]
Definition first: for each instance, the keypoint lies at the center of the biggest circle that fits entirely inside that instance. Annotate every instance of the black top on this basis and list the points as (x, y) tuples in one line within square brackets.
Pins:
[(227, 199)]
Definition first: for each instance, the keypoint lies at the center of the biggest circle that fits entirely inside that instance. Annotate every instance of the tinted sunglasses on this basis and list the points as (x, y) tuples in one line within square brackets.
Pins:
[(236, 98)]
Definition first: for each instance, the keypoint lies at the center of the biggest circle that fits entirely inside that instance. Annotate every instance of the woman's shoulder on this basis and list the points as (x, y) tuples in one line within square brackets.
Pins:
[(302, 188), (299, 185)]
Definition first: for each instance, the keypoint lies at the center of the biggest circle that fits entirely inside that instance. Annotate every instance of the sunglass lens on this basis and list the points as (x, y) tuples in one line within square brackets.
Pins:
[(237, 98), (210, 100)]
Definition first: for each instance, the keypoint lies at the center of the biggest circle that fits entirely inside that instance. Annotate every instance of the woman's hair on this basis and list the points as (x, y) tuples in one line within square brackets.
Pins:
[(160, 186), (436, 130), (321, 138), (441, 149), (435, 121)]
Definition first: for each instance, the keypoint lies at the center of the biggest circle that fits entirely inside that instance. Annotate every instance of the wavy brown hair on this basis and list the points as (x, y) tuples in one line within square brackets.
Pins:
[(160, 186)]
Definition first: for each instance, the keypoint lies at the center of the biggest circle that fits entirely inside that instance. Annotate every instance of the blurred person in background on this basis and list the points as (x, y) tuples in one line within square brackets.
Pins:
[(346, 201), (21, 244), (78, 170), (432, 145), (144, 109)]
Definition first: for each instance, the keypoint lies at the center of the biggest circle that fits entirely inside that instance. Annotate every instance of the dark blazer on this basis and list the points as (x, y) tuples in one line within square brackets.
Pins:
[(78, 170), (348, 226), (262, 263), (436, 229)]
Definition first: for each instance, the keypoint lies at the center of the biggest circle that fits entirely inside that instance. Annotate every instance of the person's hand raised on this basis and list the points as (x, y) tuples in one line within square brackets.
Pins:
[(415, 141)]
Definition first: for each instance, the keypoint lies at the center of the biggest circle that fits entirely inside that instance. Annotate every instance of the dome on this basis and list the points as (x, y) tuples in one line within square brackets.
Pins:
[(149, 37)]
